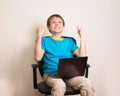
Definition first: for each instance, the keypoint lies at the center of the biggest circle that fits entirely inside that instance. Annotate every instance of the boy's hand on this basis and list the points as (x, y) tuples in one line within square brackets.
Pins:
[(80, 31), (39, 32)]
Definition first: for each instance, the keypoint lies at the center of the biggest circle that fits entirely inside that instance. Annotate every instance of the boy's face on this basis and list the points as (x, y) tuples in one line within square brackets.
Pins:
[(56, 25)]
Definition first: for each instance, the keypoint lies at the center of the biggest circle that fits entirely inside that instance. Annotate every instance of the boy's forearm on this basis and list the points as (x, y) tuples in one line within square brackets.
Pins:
[(82, 47), (37, 50), (82, 51)]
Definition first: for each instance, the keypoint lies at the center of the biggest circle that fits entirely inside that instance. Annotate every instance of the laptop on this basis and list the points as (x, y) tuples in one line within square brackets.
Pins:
[(71, 67)]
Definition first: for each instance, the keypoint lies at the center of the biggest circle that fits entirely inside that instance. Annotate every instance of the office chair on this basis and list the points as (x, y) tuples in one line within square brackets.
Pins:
[(43, 88)]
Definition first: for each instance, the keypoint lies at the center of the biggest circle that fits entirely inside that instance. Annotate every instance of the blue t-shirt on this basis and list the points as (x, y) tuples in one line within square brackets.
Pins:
[(54, 50)]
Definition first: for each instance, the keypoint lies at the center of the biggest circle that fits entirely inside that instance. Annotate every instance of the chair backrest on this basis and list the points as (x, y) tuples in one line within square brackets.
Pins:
[(40, 63)]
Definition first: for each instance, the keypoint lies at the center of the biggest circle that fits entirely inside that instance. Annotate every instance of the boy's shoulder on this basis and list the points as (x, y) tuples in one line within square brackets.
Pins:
[(67, 37), (70, 38)]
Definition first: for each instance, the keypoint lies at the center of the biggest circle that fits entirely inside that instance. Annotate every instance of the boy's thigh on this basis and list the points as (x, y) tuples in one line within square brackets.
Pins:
[(78, 81), (53, 81)]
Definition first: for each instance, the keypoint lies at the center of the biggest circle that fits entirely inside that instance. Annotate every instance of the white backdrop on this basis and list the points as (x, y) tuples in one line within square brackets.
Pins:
[(18, 22)]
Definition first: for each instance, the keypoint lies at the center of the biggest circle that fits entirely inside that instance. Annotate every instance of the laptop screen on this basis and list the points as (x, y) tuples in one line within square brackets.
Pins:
[(71, 67)]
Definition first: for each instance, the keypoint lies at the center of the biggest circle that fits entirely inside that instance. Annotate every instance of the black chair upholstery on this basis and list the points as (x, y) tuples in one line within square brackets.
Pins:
[(43, 88)]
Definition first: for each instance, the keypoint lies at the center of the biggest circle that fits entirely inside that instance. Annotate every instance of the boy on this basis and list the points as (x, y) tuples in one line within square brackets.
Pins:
[(53, 47)]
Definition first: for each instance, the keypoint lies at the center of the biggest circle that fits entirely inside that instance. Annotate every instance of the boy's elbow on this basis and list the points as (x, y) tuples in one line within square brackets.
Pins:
[(37, 58)]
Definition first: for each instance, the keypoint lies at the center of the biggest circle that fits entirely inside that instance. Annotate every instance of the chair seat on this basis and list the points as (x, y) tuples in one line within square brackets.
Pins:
[(43, 88)]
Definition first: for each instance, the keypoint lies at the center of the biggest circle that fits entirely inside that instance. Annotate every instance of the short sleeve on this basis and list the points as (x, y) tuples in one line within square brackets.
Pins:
[(43, 44), (73, 46)]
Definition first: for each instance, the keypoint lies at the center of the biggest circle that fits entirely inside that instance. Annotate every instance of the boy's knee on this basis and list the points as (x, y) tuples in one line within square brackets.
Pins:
[(87, 87), (59, 87), (60, 83), (86, 83)]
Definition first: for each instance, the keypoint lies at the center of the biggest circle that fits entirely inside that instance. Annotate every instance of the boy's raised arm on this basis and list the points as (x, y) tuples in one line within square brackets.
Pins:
[(37, 49)]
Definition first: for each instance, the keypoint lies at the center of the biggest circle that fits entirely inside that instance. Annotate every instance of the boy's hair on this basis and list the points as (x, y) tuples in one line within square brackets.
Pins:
[(52, 16)]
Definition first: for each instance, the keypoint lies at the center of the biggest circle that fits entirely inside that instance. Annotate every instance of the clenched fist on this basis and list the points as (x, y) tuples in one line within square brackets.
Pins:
[(39, 32)]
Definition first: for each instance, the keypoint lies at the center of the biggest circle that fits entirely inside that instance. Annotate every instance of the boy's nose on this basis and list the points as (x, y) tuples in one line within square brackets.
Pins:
[(56, 23)]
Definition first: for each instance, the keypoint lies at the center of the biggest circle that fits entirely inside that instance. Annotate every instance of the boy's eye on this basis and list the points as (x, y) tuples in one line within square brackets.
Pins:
[(53, 22), (56, 22), (60, 22)]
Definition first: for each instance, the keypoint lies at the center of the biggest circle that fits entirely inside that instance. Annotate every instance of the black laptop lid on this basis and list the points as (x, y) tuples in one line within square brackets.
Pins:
[(71, 67)]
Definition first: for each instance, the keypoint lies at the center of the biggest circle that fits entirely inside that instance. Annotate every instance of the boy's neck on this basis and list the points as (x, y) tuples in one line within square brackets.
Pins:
[(57, 36)]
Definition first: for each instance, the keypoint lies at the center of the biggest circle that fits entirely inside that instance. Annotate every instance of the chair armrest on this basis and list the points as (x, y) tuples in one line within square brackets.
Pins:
[(86, 71), (88, 65), (34, 66)]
